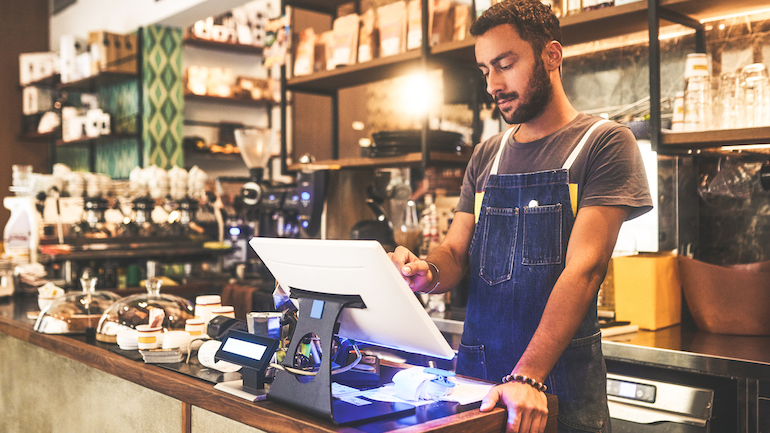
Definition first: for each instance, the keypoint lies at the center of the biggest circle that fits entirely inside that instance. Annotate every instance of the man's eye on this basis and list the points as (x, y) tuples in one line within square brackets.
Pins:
[(505, 67)]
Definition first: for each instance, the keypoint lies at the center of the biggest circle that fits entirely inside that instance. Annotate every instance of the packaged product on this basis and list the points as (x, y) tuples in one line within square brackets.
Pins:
[(414, 20), (323, 52), (462, 20), (443, 22), (345, 40), (367, 38), (303, 63), (197, 76), (391, 20)]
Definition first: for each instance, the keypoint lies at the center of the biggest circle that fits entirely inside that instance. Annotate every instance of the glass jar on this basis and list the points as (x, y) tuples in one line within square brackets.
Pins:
[(76, 312), (135, 310)]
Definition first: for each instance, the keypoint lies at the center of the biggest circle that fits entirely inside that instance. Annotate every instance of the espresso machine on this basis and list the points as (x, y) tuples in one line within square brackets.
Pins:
[(270, 209)]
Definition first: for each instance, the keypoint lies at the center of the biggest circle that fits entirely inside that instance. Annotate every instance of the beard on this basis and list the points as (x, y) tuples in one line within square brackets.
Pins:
[(533, 102)]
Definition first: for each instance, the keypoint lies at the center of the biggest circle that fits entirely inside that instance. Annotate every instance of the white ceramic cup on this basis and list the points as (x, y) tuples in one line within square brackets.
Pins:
[(224, 310), (148, 337), (204, 304), (195, 327)]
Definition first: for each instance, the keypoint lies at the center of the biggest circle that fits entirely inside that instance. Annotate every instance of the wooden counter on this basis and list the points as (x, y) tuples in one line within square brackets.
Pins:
[(193, 393)]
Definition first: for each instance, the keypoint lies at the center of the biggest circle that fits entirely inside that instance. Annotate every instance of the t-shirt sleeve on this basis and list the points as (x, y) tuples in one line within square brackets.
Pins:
[(616, 175), (468, 189)]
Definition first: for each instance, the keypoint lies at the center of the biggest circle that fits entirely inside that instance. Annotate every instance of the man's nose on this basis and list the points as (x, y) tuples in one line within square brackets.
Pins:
[(494, 83)]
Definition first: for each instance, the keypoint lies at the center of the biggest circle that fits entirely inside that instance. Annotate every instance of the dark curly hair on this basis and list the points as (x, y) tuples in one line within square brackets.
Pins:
[(535, 22)]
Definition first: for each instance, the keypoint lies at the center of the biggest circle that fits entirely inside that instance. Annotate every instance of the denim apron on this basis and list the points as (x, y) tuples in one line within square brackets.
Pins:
[(516, 256)]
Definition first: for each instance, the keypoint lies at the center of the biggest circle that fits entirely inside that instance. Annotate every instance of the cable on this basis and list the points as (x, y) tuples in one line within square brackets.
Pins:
[(299, 372)]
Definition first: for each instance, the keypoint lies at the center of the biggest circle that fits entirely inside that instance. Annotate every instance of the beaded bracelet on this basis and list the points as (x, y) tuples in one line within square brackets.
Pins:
[(524, 379), (435, 270)]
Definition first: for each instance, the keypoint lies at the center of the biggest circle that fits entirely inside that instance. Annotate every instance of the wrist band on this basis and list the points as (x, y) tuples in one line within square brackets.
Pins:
[(524, 379), (435, 270)]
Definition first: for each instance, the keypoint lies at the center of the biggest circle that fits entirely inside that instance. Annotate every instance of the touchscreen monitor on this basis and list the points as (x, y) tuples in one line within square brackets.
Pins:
[(393, 316)]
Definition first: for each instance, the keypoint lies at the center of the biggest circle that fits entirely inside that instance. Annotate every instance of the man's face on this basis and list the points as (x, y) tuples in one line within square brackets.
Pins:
[(516, 77)]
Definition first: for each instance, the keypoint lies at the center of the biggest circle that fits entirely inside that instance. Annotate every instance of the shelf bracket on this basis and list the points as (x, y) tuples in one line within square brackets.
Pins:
[(653, 24), (679, 18)]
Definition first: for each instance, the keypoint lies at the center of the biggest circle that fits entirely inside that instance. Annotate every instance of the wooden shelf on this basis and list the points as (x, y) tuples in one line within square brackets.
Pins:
[(191, 97), (101, 79), (49, 81), (716, 138), (325, 6), (38, 137), (221, 46), (328, 82), (408, 160), (101, 137), (576, 28)]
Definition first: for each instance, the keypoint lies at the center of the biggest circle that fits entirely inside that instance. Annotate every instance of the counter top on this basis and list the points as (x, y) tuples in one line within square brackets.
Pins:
[(694, 350), (265, 415), (677, 347)]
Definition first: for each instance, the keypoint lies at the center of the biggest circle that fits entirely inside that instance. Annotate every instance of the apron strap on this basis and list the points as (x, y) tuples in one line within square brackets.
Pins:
[(567, 164), (575, 152), (503, 142)]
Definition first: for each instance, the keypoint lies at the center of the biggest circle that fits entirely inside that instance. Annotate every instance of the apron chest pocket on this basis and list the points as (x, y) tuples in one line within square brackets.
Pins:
[(499, 227), (542, 235)]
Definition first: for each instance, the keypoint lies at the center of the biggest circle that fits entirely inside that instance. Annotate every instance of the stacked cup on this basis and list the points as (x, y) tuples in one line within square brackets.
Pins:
[(755, 87), (204, 306), (697, 93)]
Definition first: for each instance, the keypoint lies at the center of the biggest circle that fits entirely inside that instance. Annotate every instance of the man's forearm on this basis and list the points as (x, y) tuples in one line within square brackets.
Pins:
[(451, 268), (451, 257)]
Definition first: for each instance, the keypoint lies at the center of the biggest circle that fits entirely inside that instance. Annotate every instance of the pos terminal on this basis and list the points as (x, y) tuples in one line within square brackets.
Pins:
[(253, 353)]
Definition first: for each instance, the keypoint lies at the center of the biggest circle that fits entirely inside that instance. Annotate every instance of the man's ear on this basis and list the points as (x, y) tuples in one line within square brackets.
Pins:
[(552, 55)]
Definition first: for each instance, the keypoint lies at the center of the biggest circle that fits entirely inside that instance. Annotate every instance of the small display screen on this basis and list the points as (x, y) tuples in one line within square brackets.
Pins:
[(627, 390), (244, 348), (248, 350)]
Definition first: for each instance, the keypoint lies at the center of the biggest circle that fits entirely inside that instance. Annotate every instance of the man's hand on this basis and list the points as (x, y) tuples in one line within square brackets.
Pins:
[(527, 407), (416, 272)]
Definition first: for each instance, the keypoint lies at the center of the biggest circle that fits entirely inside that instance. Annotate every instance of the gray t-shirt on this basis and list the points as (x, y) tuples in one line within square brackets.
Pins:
[(608, 171)]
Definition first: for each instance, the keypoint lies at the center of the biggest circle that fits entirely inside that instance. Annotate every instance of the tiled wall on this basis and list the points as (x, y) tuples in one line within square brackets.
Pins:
[(161, 114), (163, 104)]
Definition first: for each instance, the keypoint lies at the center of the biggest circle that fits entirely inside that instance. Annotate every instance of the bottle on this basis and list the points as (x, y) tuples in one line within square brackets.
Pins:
[(429, 224), (574, 6), (555, 6), (21, 237)]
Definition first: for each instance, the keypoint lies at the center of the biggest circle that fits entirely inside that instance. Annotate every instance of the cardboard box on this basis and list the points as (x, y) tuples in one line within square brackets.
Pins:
[(128, 54), (37, 66), (648, 292)]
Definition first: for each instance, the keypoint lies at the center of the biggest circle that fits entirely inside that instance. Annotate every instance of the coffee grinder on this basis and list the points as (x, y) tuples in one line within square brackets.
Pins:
[(269, 209)]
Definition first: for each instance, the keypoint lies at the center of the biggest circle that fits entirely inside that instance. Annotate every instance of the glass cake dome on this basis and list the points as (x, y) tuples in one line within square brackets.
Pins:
[(169, 310), (76, 312)]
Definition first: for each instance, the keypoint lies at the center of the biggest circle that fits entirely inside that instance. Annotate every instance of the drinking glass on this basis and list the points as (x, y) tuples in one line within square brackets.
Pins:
[(697, 103), (755, 83), (729, 102)]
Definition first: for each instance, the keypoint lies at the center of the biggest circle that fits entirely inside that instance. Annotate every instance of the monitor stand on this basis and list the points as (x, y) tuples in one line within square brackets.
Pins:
[(251, 386), (318, 314), (235, 387)]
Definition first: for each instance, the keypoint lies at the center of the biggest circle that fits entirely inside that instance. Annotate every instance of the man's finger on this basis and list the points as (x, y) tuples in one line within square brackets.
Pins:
[(489, 401), (514, 421)]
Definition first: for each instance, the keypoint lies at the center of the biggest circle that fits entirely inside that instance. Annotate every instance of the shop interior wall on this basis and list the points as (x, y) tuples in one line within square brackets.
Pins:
[(23, 28), (125, 16), (733, 226)]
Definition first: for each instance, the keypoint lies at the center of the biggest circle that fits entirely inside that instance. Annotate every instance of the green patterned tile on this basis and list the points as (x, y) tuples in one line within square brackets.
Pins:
[(117, 158), (75, 156), (163, 104)]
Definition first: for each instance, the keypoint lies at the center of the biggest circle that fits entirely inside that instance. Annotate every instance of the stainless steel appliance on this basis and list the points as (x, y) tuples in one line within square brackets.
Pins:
[(648, 406)]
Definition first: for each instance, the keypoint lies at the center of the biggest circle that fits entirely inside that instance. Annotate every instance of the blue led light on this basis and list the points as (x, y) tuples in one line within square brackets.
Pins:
[(234, 231), (305, 224), (305, 195), (272, 197)]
